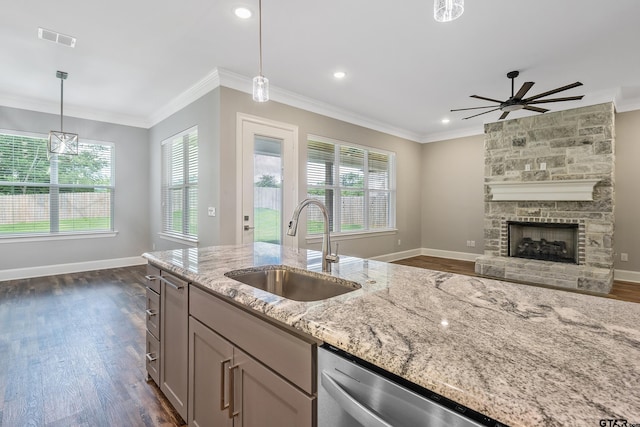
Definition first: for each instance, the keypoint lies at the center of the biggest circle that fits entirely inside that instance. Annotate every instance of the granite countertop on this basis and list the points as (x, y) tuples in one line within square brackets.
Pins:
[(524, 355)]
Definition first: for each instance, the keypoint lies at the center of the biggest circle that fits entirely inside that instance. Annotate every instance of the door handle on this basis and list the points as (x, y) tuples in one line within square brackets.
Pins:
[(247, 228), (223, 405), (151, 313), (348, 403), (232, 400), (151, 357)]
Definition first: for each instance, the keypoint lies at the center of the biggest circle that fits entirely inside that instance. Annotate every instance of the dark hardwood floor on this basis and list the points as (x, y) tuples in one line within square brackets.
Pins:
[(71, 352), (625, 291)]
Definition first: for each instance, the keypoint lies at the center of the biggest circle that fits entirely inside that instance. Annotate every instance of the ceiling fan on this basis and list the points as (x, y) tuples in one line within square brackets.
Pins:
[(518, 102)]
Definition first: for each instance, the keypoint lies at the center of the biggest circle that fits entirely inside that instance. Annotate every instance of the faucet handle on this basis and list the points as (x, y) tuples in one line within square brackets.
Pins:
[(333, 257)]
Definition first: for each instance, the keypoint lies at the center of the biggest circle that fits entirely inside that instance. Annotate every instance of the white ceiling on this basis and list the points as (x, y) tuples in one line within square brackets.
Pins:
[(136, 60)]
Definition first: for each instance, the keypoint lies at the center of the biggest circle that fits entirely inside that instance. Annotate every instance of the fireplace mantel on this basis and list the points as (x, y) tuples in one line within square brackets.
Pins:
[(558, 190)]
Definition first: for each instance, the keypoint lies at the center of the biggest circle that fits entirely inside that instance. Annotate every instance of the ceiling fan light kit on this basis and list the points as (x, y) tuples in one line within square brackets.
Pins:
[(447, 10), (517, 101), (61, 142)]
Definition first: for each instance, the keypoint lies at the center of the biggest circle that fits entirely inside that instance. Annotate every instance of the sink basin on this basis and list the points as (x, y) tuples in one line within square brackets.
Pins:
[(291, 283)]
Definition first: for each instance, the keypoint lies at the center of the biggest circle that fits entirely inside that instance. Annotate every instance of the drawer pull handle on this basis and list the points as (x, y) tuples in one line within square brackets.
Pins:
[(232, 403), (223, 405), (150, 278), (151, 313), (151, 357), (173, 285)]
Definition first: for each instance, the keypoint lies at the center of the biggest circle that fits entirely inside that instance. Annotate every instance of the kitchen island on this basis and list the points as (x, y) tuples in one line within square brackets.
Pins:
[(523, 355)]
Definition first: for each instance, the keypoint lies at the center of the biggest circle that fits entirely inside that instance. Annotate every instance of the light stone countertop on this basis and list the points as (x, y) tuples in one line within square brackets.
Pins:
[(523, 355)]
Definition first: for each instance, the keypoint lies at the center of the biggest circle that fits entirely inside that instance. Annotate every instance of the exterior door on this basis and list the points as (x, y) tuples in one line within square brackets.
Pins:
[(267, 152)]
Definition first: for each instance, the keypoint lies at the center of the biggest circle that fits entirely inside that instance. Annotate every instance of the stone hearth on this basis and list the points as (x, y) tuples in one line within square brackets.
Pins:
[(550, 153)]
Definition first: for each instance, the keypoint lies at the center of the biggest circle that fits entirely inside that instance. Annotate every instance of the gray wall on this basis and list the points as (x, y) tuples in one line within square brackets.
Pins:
[(452, 174), (205, 113), (131, 187), (407, 159), (627, 194)]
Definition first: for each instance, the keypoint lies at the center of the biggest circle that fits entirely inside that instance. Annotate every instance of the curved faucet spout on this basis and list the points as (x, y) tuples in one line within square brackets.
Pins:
[(327, 256)]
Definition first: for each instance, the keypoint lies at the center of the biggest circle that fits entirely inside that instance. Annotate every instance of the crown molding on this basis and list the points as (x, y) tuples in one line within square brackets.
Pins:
[(40, 106), (244, 84), (201, 88)]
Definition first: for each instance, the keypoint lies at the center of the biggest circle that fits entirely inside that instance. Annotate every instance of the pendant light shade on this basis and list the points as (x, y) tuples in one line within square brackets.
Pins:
[(447, 10), (260, 82), (61, 142)]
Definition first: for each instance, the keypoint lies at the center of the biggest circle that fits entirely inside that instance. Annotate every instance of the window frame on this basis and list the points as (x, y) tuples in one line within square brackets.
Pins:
[(185, 186), (64, 234), (338, 188)]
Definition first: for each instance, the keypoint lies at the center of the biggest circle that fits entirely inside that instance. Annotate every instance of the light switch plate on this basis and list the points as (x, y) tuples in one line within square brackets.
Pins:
[(211, 211)]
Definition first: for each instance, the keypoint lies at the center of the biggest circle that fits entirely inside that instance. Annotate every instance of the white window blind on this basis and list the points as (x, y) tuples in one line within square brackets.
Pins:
[(180, 185), (42, 194), (355, 183)]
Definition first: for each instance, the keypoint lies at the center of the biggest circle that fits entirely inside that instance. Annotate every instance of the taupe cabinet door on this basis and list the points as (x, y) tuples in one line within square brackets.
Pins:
[(263, 399), (174, 341), (210, 357)]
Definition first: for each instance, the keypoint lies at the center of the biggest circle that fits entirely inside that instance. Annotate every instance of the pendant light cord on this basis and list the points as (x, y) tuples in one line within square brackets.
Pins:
[(260, 34), (61, 102)]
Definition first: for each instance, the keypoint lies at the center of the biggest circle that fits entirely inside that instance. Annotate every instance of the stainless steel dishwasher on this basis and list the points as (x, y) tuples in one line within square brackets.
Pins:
[(354, 393)]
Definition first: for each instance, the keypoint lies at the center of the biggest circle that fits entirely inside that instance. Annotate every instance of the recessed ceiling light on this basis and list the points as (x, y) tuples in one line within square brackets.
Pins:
[(242, 12), (445, 121), (339, 74)]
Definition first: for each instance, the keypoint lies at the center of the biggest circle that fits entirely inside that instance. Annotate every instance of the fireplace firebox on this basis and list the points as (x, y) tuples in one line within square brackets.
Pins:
[(543, 241)]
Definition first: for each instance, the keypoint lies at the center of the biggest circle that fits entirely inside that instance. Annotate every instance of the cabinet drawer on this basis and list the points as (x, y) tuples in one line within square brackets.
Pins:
[(153, 278), (173, 281), (153, 313), (152, 358), (289, 355)]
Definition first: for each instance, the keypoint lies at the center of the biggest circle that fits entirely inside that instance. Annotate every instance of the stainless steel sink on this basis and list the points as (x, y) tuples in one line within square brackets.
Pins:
[(291, 283)]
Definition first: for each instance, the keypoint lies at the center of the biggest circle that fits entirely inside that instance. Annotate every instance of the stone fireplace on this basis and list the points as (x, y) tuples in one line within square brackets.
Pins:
[(549, 199)]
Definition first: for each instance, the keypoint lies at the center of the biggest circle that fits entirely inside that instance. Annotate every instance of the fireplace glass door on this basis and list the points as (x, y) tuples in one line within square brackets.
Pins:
[(544, 241)]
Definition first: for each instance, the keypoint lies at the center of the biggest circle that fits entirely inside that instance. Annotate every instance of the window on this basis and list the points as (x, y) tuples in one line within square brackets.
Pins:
[(43, 195), (180, 185), (356, 184)]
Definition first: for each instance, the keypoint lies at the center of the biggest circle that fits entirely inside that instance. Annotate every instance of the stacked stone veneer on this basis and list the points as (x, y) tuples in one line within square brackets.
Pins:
[(574, 144)]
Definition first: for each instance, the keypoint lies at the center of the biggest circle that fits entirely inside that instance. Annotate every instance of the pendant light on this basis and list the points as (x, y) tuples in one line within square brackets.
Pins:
[(447, 10), (260, 82), (61, 142)]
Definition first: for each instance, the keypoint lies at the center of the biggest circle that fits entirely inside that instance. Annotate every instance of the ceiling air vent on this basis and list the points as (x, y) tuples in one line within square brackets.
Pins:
[(54, 36)]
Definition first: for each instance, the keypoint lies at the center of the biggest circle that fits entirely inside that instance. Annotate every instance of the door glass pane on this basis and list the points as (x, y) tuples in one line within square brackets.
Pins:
[(267, 190)]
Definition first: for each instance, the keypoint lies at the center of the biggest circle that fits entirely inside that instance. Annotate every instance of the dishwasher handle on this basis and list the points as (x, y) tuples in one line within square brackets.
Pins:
[(357, 410)]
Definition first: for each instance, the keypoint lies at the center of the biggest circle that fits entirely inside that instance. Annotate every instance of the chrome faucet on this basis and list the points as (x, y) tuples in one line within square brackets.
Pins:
[(327, 257)]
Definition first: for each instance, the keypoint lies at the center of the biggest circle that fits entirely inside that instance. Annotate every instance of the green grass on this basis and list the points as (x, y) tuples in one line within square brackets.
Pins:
[(78, 224), (317, 227), (267, 225)]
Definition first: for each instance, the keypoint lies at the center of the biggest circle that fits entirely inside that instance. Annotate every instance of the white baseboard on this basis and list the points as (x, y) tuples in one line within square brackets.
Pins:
[(627, 276), (76, 267), (462, 256), (397, 255)]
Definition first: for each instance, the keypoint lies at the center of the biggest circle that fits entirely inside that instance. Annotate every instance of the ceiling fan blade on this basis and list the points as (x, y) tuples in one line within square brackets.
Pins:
[(568, 98), (486, 99), (551, 92), (504, 115), (473, 108), (523, 90), (536, 109), (475, 115)]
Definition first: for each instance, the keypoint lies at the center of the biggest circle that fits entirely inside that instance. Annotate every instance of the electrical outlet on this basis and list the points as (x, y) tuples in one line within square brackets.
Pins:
[(527, 167), (211, 211), (399, 242), (624, 257), (543, 166), (471, 243)]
